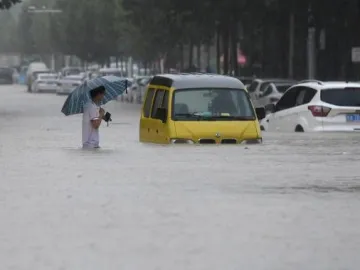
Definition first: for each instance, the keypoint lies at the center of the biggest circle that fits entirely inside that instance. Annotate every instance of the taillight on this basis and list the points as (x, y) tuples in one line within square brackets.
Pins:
[(319, 111)]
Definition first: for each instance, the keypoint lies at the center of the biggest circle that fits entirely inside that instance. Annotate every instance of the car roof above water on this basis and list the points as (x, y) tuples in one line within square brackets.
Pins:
[(191, 80), (45, 75), (329, 85), (73, 77)]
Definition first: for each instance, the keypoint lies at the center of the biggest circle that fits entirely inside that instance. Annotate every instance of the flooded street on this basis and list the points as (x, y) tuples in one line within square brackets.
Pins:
[(291, 203)]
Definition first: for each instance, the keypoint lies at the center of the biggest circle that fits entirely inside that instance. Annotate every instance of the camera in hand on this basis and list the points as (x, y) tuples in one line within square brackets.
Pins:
[(107, 117)]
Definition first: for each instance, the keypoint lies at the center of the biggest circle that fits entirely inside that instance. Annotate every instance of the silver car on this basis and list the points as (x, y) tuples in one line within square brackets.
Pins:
[(138, 89), (47, 82), (257, 88), (67, 84), (272, 93)]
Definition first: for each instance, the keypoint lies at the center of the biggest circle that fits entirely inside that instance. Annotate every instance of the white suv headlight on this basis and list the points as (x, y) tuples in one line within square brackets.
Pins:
[(181, 141)]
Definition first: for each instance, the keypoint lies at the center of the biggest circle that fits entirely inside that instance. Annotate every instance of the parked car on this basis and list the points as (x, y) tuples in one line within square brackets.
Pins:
[(258, 86), (68, 71), (6, 75), (199, 109), (126, 96), (67, 84), (273, 92), (246, 80), (110, 71), (46, 82), (316, 106), (143, 86), (35, 76), (138, 89), (90, 74), (33, 69)]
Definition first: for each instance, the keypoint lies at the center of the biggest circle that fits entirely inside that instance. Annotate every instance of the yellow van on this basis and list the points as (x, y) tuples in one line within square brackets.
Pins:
[(198, 109)]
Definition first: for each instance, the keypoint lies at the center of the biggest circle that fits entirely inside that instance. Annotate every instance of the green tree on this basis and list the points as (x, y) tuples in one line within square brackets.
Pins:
[(6, 4), (91, 29), (8, 42), (34, 32)]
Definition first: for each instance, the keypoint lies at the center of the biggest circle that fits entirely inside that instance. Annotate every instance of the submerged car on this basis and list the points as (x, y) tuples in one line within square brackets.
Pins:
[(128, 93), (68, 71), (199, 109), (46, 82), (6, 75), (314, 106), (67, 84), (258, 86), (273, 92), (138, 95), (111, 72), (33, 70)]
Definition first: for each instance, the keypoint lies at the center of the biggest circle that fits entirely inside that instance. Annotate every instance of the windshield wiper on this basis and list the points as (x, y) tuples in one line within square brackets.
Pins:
[(215, 117), (235, 117), (196, 116)]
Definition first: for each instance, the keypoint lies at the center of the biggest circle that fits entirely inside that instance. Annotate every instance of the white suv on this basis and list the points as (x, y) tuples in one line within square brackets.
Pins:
[(316, 106)]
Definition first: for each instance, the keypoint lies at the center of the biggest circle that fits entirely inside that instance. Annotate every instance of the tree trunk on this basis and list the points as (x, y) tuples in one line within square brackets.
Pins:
[(191, 54), (218, 51), (225, 38), (198, 56), (117, 61), (234, 49), (181, 56), (291, 45), (121, 65), (145, 68), (208, 55)]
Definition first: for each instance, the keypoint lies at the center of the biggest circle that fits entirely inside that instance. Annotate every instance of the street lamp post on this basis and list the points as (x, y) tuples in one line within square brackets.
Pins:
[(42, 10)]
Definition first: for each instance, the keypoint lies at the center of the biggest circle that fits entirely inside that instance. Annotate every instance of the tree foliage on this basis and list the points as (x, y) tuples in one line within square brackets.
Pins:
[(7, 40), (149, 30), (6, 4)]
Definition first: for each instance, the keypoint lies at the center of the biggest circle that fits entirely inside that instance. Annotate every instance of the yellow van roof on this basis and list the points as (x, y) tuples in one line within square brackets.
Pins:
[(197, 80)]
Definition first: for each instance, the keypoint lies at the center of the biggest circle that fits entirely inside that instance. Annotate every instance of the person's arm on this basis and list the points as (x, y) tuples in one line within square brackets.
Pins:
[(96, 117)]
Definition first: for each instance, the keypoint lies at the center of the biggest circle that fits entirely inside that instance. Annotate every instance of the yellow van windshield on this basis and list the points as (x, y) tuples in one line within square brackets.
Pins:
[(202, 104)]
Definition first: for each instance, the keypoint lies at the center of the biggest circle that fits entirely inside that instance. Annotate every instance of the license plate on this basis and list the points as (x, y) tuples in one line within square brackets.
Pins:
[(353, 118)]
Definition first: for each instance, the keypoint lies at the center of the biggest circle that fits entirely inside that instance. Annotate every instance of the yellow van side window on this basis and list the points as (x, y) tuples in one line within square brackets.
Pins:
[(165, 103), (148, 102), (157, 102)]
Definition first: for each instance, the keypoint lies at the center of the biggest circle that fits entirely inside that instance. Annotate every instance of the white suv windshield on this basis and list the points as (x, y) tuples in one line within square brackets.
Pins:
[(200, 104), (347, 97)]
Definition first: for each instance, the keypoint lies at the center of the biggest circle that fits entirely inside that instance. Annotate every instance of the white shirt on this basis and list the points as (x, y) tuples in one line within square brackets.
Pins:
[(90, 135)]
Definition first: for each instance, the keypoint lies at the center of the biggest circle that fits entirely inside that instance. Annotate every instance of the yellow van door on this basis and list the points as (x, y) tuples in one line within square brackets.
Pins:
[(145, 120), (159, 130)]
